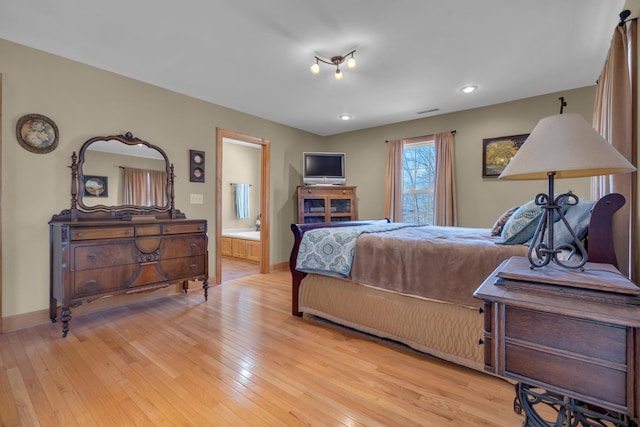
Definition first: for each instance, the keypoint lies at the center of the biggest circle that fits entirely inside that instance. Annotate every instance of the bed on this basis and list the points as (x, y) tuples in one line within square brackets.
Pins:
[(414, 285)]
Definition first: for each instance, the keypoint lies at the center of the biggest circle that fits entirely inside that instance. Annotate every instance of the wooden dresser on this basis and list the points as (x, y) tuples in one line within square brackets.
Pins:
[(122, 234), (570, 338), (92, 259)]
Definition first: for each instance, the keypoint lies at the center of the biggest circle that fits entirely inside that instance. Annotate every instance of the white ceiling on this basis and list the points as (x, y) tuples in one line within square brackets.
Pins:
[(254, 55)]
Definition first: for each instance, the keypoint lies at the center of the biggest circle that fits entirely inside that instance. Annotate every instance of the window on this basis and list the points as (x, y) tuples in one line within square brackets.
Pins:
[(418, 182)]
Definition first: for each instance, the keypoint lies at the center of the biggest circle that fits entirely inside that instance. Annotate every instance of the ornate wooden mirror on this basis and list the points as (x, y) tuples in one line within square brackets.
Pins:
[(121, 177)]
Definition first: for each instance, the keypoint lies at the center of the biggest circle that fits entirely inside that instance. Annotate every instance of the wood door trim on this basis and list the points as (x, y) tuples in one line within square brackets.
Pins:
[(265, 174), (1, 327)]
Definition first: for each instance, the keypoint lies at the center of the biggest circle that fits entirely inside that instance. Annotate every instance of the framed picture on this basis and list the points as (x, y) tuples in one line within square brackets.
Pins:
[(95, 186), (37, 133), (498, 152)]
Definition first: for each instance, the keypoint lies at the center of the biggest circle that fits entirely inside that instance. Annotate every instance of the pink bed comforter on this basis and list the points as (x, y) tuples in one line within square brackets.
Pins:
[(439, 263)]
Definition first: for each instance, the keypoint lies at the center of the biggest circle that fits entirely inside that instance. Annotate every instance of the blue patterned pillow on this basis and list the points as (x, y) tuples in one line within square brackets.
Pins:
[(520, 227), (578, 217)]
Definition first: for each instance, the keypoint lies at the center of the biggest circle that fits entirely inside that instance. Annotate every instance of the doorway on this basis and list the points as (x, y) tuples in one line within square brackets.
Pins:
[(265, 165)]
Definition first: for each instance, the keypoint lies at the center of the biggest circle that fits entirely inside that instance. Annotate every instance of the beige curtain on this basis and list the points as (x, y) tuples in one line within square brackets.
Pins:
[(614, 117), (144, 187), (393, 185), (157, 188), (444, 192)]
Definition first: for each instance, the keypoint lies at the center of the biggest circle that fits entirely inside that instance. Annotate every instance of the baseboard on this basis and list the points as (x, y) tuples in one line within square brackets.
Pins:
[(283, 266), (40, 317)]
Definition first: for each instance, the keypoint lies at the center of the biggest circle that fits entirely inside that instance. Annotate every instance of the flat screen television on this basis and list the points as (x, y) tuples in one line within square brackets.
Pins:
[(324, 168)]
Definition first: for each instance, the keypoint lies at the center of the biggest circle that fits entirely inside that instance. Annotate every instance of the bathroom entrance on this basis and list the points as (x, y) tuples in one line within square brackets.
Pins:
[(242, 232)]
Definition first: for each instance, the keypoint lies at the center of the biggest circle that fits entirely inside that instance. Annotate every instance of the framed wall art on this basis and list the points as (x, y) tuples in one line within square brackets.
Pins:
[(37, 133), (497, 152), (196, 166), (95, 186)]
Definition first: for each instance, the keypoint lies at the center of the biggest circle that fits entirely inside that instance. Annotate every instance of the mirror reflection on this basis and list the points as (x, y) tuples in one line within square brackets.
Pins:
[(115, 174)]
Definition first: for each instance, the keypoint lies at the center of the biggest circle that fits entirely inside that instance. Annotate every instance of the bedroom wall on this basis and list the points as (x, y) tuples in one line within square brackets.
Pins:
[(479, 200), (85, 102)]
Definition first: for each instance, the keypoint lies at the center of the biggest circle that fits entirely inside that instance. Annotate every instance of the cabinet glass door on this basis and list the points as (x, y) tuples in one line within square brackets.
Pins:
[(314, 210)]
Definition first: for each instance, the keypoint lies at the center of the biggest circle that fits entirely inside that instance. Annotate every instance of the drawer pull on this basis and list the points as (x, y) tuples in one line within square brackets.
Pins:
[(90, 283), (201, 227), (92, 256), (193, 267), (79, 234), (127, 232), (193, 245), (167, 230)]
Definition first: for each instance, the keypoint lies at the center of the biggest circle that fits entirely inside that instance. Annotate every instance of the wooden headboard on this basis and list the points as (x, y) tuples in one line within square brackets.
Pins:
[(600, 236)]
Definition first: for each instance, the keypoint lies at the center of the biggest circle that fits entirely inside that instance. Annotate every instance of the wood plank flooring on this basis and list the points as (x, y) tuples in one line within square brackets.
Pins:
[(239, 359)]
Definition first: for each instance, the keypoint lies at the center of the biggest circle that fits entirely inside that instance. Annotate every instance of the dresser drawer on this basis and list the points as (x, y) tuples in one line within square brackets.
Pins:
[(103, 280), (101, 233), (588, 378), (87, 257), (178, 268), (181, 246), (184, 228), (148, 230), (601, 341)]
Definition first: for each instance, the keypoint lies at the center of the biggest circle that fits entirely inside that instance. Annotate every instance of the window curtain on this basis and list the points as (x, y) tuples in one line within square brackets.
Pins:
[(144, 187), (444, 191), (444, 197), (614, 117), (157, 188), (393, 186)]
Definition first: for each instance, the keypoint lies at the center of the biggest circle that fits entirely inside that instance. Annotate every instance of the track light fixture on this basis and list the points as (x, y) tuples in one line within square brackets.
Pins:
[(336, 60)]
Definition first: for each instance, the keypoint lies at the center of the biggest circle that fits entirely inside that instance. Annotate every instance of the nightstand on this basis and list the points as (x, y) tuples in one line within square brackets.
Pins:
[(569, 338)]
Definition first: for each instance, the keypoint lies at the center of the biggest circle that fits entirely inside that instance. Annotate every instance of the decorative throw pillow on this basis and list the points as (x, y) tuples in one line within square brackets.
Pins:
[(520, 227), (578, 217), (502, 220)]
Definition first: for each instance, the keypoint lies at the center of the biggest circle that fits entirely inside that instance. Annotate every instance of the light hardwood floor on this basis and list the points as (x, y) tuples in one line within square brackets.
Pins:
[(239, 359)]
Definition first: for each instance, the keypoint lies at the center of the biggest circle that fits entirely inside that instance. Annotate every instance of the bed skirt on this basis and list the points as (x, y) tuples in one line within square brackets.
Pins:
[(444, 330)]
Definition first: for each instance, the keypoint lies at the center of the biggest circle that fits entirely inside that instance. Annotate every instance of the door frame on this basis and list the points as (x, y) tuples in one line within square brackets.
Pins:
[(265, 174)]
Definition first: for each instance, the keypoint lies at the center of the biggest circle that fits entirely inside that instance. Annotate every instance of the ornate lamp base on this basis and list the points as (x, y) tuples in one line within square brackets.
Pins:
[(567, 412)]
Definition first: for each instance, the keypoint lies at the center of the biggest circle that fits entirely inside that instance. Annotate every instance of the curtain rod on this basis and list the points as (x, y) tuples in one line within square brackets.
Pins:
[(235, 183), (421, 136), (623, 17)]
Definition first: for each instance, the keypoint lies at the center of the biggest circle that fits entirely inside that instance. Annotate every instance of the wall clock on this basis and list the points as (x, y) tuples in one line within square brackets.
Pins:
[(196, 166)]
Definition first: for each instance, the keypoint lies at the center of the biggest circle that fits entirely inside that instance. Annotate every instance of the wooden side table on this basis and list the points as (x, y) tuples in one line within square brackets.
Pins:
[(570, 338)]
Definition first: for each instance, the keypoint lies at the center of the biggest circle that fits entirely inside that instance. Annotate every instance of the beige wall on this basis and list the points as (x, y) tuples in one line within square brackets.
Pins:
[(480, 200), (241, 165), (85, 102)]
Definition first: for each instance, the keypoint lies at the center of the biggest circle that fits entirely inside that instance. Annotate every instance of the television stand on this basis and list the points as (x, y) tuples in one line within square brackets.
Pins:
[(326, 203)]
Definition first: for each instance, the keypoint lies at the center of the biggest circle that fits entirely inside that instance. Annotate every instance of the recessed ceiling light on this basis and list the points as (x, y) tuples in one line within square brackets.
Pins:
[(468, 88), (345, 117)]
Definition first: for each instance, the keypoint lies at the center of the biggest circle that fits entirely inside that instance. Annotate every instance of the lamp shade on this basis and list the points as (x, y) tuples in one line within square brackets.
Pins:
[(567, 145)]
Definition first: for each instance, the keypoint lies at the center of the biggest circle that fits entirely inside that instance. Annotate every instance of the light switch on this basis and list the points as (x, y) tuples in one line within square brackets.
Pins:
[(196, 199)]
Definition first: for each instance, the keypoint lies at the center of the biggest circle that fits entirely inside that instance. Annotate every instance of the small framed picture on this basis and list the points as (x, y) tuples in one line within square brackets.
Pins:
[(37, 133), (95, 186), (498, 152)]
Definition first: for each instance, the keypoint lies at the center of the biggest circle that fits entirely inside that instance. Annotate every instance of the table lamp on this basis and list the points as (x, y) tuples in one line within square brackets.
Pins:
[(561, 146)]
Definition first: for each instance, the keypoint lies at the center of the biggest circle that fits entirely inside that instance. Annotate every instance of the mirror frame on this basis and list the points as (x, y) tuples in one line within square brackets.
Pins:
[(80, 211)]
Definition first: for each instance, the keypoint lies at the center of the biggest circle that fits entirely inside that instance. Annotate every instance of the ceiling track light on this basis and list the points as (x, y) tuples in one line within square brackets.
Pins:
[(337, 61)]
